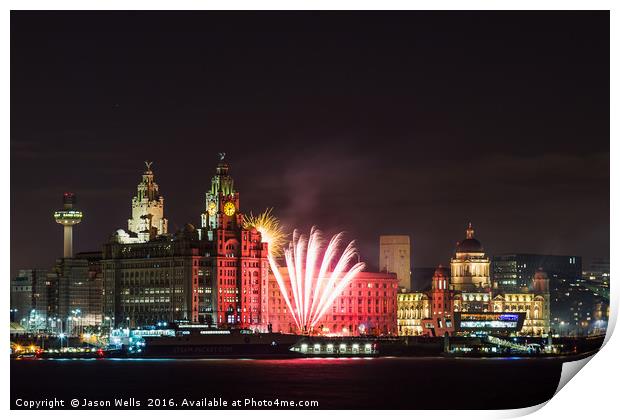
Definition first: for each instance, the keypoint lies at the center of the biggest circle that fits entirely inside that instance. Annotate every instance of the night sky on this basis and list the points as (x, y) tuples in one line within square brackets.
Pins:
[(375, 123)]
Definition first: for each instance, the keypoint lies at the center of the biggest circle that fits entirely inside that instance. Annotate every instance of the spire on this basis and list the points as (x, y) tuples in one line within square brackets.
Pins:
[(470, 231), (222, 182), (222, 167)]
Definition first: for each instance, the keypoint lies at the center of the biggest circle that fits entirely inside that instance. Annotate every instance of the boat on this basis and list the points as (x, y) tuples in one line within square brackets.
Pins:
[(216, 343)]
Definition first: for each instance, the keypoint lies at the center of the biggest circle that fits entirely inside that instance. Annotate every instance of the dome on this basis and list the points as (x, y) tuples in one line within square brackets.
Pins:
[(469, 244)]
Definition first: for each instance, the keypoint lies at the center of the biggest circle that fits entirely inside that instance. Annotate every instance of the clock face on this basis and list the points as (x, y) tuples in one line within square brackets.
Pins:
[(212, 208), (229, 208)]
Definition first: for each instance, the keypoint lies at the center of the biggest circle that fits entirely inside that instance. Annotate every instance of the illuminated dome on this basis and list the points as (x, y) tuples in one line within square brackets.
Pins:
[(469, 244)]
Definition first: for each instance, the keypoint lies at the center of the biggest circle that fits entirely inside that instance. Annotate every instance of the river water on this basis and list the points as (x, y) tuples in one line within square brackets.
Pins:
[(346, 383)]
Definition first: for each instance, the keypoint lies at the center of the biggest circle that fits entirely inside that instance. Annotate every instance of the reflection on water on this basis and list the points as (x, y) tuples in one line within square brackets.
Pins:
[(356, 382)]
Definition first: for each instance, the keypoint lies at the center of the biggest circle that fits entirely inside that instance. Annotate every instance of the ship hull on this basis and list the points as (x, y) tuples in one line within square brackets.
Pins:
[(220, 346)]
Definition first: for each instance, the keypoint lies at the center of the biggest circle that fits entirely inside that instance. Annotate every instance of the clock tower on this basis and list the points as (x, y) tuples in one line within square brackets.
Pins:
[(239, 255), (222, 201)]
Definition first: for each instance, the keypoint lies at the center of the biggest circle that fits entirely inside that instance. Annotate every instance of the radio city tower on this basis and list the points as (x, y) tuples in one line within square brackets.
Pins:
[(68, 217)]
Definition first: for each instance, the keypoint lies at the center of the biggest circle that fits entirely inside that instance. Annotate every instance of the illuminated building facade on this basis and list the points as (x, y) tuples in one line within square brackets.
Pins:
[(28, 292), (147, 212), (470, 267), (413, 307), (440, 316), (395, 257), (468, 292), (214, 274), (367, 306), (67, 296), (240, 256), (156, 281), (511, 272)]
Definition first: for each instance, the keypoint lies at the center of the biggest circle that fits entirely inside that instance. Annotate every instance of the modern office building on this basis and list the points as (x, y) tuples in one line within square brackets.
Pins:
[(76, 288), (514, 271), (395, 257)]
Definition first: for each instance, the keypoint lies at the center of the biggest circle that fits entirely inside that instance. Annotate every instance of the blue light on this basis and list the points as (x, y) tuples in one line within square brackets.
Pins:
[(509, 317)]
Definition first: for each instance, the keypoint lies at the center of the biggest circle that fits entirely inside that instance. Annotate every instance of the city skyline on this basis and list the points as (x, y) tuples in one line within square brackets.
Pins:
[(397, 146), (179, 226)]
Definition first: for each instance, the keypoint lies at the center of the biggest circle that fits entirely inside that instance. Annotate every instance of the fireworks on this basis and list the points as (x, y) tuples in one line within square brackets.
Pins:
[(270, 230), (317, 275)]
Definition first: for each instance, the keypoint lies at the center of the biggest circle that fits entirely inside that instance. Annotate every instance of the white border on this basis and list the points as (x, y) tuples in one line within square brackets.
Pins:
[(591, 394)]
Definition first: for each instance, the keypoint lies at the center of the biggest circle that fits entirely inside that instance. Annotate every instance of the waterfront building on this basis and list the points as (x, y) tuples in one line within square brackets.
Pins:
[(156, 281), (443, 304), (218, 274), (512, 272), (75, 292), (468, 292), (412, 308), (395, 257), (28, 293), (147, 210), (215, 274), (367, 306), (470, 266)]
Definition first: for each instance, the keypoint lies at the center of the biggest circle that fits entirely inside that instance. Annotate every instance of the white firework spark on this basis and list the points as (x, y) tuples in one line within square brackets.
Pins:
[(313, 293)]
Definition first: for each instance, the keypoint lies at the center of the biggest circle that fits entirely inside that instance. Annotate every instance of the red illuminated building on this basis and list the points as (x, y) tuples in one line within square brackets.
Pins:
[(441, 321), (240, 256), (218, 274), (367, 306)]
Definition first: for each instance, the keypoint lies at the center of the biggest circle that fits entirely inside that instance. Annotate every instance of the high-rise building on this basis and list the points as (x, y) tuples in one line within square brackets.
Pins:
[(76, 288), (395, 257), (470, 266), (512, 272)]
